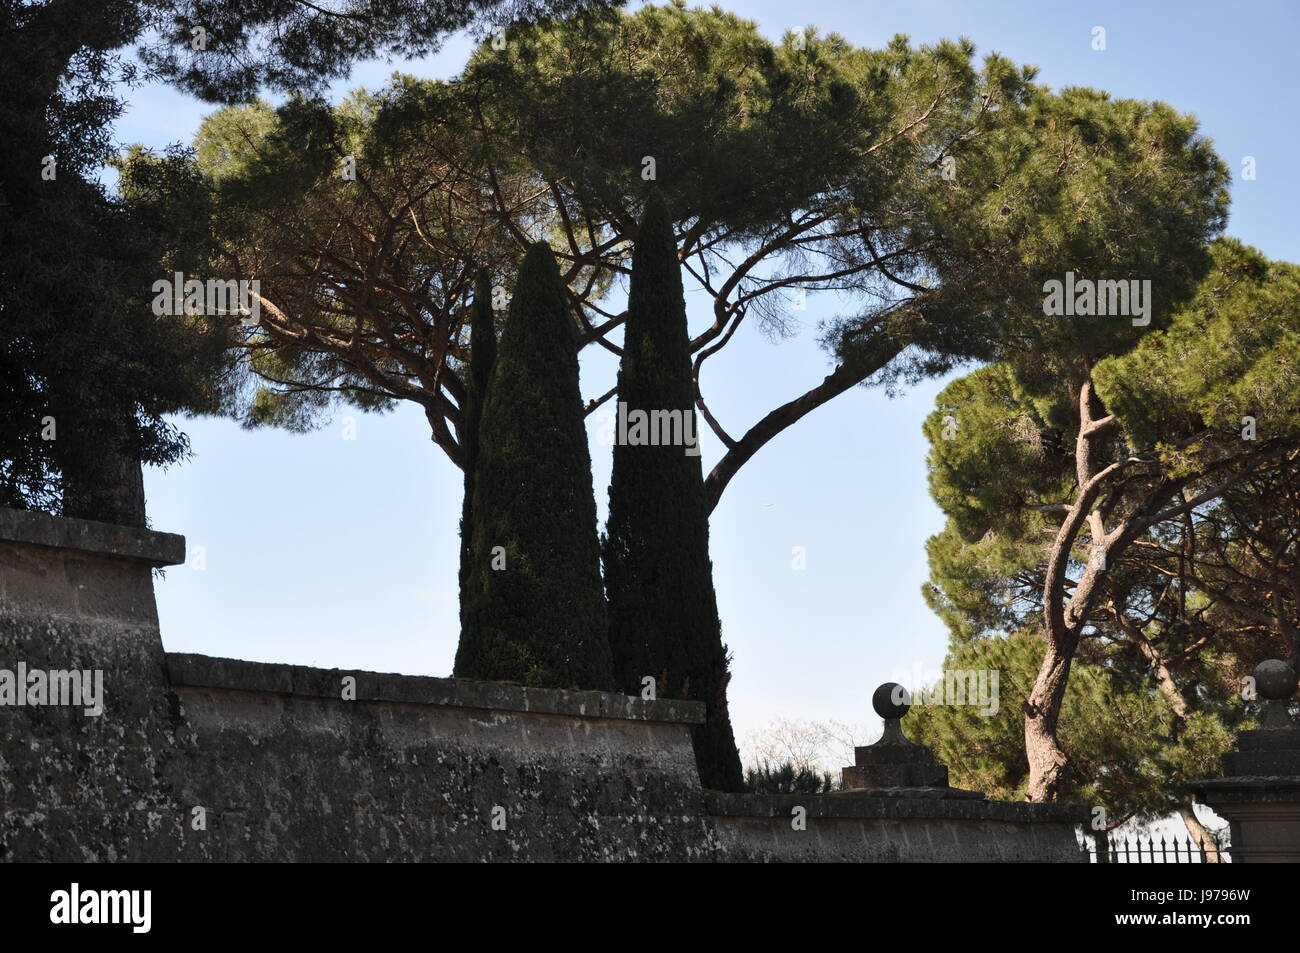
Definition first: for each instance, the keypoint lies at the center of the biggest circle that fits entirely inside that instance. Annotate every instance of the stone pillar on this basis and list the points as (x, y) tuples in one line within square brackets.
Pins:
[(1259, 794), (77, 611), (74, 568)]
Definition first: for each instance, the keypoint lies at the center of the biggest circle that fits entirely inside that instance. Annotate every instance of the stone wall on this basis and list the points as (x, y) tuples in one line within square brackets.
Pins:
[(420, 769), (890, 826), (197, 758), (79, 595)]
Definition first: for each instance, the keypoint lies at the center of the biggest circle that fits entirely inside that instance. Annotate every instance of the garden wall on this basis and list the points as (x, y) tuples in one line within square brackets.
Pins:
[(197, 758)]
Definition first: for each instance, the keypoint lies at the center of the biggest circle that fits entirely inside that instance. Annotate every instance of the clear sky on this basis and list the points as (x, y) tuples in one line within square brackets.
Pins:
[(342, 553)]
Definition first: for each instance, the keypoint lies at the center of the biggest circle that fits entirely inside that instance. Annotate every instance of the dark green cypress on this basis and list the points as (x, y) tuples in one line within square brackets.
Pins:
[(541, 619), (482, 355), (663, 609)]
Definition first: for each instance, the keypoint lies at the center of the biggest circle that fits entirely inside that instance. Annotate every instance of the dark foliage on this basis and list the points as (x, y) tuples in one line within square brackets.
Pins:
[(787, 779), (540, 619), (483, 355), (663, 609)]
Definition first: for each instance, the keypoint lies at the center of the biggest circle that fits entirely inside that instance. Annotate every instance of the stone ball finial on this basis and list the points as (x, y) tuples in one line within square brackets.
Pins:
[(891, 700), (1275, 680)]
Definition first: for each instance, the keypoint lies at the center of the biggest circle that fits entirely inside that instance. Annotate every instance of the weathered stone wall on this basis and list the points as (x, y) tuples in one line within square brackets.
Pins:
[(289, 763), (418, 769), (280, 764), (79, 595), (875, 827)]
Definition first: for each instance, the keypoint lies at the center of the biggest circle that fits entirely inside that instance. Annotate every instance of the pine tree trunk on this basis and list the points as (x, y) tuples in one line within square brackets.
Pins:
[(1047, 760), (1200, 835), (1064, 613)]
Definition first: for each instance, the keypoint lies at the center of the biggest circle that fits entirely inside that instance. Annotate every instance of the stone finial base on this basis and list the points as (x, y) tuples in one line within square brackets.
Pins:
[(893, 761), (1259, 793)]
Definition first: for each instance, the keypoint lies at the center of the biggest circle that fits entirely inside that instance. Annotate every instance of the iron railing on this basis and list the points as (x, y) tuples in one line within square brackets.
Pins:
[(1112, 849)]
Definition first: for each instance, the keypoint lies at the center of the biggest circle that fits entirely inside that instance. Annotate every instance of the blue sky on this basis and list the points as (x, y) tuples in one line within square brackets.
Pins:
[(325, 551)]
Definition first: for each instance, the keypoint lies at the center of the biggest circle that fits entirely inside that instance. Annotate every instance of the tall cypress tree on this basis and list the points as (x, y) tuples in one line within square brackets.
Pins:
[(663, 610), (534, 609), (482, 355)]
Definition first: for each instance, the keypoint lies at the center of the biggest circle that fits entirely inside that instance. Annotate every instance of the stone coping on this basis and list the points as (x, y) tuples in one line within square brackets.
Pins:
[(1250, 785), (901, 804), (203, 671), (947, 793), (86, 536)]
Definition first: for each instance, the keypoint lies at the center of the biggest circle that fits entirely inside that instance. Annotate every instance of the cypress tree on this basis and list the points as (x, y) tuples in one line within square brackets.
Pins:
[(482, 355), (534, 609), (663, 609)]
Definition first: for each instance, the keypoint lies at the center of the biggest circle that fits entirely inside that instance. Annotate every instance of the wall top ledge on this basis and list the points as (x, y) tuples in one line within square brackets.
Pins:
[(893, 806), (1249, 788), (202, 671), (32, 528)]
